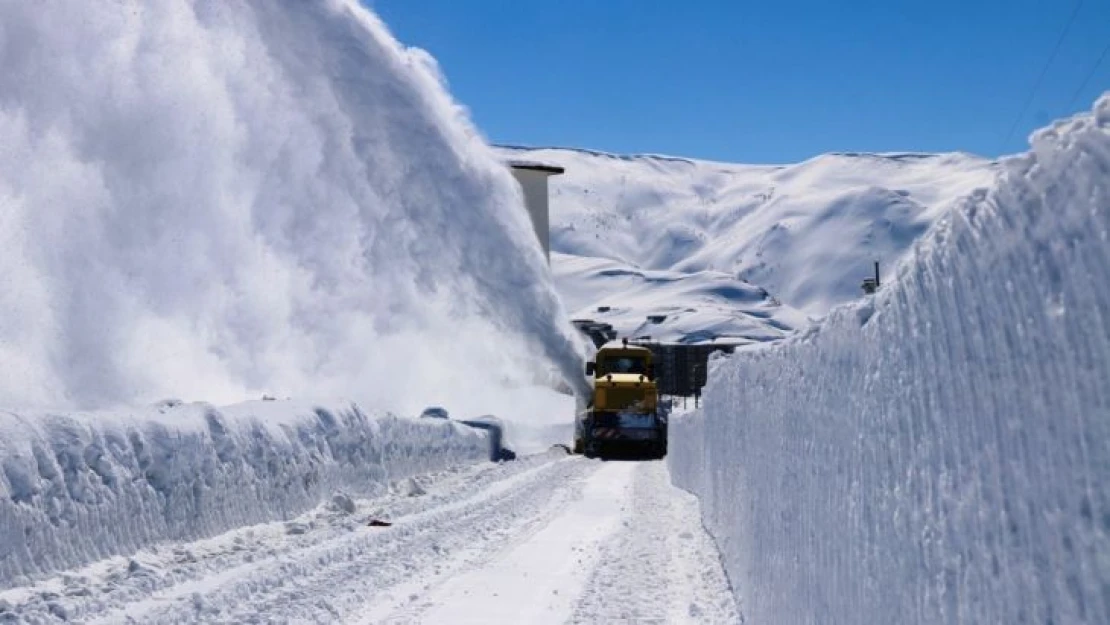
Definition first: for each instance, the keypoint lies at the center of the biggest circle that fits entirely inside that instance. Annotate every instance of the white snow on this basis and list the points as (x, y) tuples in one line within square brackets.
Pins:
[(219, 201), (807, 233), (81, 487), (663, 567), (535, 418), (215, 200), (699, 307), (539, 580), (629, 548), (940, 452), (549, 538)]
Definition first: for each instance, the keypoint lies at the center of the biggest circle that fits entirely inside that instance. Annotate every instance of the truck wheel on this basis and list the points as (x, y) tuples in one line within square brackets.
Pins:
[(660, 451), (592, 450)]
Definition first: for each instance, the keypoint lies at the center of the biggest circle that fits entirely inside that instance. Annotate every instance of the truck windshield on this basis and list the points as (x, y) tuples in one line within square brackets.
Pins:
[(623, 364)]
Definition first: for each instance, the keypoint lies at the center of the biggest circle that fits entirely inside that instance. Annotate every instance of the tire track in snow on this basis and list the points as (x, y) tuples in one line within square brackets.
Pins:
[(628, 547), (323, 582), (661, 566), (537, 580), (424, 550), (308, 570), (544, 540)]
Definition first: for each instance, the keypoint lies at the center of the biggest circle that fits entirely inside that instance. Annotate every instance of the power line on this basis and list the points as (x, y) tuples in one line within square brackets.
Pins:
[(1090, 75), (1044, 72)]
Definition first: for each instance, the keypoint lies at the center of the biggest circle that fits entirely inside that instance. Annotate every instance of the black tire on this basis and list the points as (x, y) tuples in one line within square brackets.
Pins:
[(593, 450), (659, 451)]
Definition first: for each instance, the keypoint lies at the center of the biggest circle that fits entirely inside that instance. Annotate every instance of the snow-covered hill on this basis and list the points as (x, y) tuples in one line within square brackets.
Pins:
[(806, 233), (696, 307)]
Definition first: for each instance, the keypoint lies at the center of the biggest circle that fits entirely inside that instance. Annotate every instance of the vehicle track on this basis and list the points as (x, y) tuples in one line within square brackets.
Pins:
[(546, 539), (310, 569)]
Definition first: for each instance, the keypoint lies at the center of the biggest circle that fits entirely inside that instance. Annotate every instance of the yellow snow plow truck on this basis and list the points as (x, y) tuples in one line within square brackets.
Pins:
[(623, 413)]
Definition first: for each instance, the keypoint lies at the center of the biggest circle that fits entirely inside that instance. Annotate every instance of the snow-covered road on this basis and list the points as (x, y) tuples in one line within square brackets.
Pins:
[(547, 539)]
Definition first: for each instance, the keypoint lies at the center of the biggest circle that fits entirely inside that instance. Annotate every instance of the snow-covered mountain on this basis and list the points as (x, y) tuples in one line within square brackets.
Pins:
[(655, 234), (672, 306)]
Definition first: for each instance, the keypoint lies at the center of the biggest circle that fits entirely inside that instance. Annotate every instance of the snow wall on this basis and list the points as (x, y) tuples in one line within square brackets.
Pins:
[(939, 453), (81, 487), (216, 200)]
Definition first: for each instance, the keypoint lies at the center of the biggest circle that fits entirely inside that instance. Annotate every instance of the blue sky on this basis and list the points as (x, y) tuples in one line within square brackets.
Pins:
[(760, 82)]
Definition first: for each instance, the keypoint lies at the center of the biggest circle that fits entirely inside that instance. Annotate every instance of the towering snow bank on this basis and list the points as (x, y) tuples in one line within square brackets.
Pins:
[(77, 488), (217, 199), (941, 454)]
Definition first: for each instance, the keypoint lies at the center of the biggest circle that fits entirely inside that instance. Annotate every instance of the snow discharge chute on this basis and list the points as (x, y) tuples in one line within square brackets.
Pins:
[(213, 200)]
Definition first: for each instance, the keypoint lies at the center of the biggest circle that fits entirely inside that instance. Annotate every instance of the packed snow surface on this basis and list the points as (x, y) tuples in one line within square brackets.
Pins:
[(215, 200), (546, 539), (940, 453), (807, 233)]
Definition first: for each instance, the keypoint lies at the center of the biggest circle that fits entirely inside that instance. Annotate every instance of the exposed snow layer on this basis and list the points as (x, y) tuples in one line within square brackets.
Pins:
[(216, 200), (939, 454), (808, 233), (547, 539), (699, 307), (77, 488)]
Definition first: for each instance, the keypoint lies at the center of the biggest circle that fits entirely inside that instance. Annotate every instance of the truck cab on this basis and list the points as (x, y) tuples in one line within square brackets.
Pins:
[(623, 412)]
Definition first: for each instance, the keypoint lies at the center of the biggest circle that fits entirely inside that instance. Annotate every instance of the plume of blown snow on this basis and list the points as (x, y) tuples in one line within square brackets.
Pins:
[(213, 200)]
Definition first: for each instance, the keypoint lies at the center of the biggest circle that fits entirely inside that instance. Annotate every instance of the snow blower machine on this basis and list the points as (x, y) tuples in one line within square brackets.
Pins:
[(623, 414)]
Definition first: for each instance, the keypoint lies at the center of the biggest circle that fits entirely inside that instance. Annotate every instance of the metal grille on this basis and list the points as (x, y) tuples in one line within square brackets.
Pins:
[(619, 398), (617, 433)]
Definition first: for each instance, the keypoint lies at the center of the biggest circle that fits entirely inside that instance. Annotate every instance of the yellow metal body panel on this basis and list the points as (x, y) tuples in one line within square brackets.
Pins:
[(623, 391)]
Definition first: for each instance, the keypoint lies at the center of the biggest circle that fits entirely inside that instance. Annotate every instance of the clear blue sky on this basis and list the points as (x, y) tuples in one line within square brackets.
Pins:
[(760, 82)]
